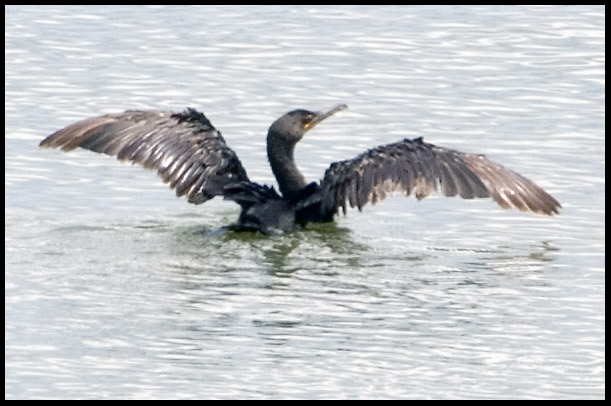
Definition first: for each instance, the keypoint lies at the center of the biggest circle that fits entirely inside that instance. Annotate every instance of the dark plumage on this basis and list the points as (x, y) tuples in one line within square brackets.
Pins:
[(192, 156)]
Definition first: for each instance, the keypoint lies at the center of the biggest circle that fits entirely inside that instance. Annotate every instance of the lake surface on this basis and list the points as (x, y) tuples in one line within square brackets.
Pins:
[(114, 288)]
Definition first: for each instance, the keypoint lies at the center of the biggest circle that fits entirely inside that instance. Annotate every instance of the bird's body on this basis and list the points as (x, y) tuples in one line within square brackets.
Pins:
[(193, 157)]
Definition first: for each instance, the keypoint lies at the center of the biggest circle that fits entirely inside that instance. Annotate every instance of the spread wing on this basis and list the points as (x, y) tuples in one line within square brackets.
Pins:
[(413, 167), (184, 148)]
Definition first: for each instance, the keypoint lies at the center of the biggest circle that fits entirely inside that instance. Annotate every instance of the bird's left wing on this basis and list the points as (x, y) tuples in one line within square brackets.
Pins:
[(413, 167), (184, 148)]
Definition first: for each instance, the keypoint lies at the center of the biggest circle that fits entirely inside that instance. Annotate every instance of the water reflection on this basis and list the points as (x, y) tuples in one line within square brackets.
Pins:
[(319, 245)]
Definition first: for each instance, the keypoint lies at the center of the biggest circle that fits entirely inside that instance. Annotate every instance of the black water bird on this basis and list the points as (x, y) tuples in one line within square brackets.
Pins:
[(192, 156)]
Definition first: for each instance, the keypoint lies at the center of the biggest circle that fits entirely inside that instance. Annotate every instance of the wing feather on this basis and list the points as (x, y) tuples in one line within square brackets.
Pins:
[(416, 168), (184, 148)]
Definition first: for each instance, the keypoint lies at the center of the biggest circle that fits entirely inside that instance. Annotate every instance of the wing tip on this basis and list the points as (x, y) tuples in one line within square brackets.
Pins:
[(52, 142)]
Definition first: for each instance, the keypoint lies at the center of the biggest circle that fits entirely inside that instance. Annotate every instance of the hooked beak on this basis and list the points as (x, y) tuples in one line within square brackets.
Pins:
[(318, 117)]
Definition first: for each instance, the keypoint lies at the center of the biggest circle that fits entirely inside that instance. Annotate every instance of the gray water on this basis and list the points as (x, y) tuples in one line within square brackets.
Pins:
[(114, 288)]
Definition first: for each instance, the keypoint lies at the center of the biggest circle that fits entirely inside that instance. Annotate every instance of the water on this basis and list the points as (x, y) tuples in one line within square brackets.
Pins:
[(116, 289)]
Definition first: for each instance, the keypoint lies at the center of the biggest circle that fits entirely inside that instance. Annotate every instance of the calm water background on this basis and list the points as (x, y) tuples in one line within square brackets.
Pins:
[(114, 288)]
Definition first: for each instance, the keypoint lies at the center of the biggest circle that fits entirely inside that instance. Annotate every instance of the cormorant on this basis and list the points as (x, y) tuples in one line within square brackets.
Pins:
[(192, 156)]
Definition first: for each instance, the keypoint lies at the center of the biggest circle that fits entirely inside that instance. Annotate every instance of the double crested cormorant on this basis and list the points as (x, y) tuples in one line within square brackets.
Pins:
[(192, 156)]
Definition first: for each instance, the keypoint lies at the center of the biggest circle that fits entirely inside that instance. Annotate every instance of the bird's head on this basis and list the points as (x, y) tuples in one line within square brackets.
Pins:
[(293, 125)]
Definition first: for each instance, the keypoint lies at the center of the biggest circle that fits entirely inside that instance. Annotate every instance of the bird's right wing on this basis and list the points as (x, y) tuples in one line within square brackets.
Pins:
[(184, 148), (413, 167)]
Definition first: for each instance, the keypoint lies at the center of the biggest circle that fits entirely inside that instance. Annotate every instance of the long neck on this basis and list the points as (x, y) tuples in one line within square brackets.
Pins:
[(280, 155)]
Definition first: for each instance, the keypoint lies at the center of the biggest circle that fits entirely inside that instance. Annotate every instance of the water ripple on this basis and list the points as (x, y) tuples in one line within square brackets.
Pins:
[(116, 289)]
